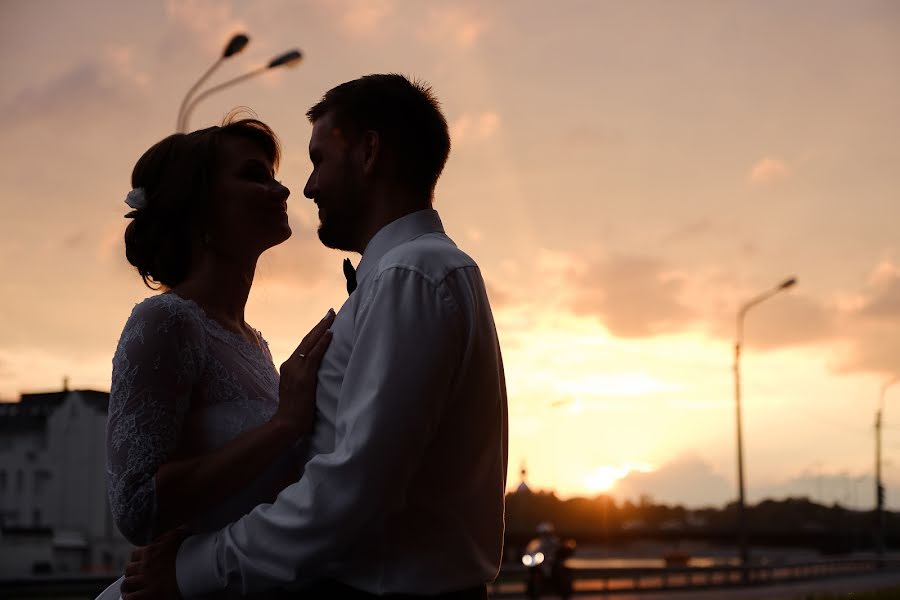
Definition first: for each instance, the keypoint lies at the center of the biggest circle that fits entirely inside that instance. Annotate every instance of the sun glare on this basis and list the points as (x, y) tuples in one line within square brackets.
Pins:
[(605, 477)]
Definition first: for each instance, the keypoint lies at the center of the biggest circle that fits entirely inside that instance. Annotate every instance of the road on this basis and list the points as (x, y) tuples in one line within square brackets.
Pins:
[(785, 591)]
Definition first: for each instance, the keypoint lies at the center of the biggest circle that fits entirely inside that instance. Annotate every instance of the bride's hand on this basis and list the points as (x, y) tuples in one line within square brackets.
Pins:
[(297, 387)]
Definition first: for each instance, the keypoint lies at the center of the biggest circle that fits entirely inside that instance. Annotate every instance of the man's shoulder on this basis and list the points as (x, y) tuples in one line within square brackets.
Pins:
[(434, 255)]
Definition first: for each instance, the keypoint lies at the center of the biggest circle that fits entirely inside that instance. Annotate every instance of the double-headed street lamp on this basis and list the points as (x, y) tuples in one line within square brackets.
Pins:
[(739, 340), (235, 45), (879, 485)]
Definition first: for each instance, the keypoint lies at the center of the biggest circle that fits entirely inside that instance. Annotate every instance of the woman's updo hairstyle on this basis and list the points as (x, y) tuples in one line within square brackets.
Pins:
[(177, 176)]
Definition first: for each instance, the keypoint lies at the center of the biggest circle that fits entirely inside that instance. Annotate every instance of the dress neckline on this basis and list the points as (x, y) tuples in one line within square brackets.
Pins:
[(222, 331)]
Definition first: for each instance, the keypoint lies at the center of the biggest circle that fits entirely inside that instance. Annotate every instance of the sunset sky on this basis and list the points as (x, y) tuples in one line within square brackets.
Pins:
[(627, 174)]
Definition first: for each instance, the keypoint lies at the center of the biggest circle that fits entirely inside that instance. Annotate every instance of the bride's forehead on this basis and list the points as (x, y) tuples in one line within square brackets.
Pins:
[(235, 150)]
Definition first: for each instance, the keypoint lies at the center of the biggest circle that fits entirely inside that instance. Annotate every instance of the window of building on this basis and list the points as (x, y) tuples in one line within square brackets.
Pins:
[(41, 481), (20, 480), (3, 481), (36, 517)]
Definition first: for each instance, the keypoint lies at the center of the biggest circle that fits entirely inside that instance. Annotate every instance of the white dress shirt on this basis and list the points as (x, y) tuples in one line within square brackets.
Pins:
[(403, 491)]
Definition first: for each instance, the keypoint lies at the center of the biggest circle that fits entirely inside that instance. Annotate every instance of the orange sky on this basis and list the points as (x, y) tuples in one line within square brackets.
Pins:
[(625, 173)]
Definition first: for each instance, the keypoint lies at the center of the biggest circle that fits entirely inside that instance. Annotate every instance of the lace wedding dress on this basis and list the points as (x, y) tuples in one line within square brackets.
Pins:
[(183, 385)]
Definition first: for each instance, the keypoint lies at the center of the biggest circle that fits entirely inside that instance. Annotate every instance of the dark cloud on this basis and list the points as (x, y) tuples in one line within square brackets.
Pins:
[(874, 328), (882, 301), (82, 90), (789, 319), (633, 296)]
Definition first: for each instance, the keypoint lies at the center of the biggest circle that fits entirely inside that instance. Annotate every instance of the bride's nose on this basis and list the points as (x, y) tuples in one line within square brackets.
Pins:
[(281, 191)]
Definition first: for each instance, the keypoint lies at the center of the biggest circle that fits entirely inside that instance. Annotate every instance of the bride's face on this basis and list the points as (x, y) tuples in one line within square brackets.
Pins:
[(249, 207)]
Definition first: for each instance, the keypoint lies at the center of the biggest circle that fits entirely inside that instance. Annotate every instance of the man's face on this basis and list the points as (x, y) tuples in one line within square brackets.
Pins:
[(336, 186)]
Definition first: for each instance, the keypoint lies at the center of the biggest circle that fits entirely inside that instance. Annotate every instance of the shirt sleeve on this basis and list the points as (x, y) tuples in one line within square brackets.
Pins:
[(398, 379), (154, 371)]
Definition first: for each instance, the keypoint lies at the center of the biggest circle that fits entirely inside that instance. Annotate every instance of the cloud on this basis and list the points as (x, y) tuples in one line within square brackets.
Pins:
[(768, 170), (210, 22), (791, 319), (85, 89), (688, 480), (633, 296), (474, 127), (881, 298), (872, 320), (365, 17), (453, 26), (121, 57)]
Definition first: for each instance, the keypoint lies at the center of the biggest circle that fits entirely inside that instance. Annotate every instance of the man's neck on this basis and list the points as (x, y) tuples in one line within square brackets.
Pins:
[(387, 208)]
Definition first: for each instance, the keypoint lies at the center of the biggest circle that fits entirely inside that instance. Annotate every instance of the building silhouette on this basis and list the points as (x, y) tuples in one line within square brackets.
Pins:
[(54, 512)]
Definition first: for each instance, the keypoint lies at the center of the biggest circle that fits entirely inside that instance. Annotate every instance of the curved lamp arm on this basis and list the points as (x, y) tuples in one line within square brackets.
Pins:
[(287, 59)]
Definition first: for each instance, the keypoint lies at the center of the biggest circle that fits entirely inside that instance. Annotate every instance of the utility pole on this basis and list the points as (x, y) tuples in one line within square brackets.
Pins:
[(879, 490), (879, 483)]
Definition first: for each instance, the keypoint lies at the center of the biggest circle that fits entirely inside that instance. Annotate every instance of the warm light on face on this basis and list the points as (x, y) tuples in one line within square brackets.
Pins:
[(604, 478)]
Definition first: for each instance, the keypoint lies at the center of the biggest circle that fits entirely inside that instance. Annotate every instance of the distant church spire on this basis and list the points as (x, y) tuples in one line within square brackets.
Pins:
[(65, 383), (523, 487)]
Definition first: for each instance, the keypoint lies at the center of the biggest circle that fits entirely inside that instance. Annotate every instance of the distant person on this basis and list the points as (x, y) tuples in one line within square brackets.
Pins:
[(402, 494), (200, 427)]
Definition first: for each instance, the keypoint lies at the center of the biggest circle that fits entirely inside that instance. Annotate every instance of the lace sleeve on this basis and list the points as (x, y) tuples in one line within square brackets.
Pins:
[(155, 368)]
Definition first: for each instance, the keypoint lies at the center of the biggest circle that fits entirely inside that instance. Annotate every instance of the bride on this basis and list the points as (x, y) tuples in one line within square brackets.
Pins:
[(201, 427)]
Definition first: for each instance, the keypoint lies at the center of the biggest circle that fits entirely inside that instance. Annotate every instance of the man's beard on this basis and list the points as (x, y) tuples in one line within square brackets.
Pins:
[(342, 225)]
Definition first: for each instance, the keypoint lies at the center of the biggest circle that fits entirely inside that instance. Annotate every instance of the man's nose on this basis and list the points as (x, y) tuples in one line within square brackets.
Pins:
[(309, 190)]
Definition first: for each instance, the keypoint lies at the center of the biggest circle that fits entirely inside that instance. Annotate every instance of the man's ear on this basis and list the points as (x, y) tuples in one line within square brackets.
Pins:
[(371, 148)]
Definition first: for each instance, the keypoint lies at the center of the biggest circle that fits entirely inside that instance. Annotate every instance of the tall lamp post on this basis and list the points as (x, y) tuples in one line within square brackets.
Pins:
[(237, 43), (286, 59), (879, 485), (739, 339)]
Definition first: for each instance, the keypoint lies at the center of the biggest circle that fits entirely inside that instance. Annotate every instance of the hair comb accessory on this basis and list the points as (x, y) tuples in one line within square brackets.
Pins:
[(137, 200)]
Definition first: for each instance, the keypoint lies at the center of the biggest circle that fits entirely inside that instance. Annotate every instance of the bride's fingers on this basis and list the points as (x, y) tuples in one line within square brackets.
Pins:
[(133, 568), (318, 351), (133, 583), (309, 341)]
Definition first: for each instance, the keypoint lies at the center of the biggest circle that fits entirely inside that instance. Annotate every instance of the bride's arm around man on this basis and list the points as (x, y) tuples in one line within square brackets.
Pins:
[(403, 492)]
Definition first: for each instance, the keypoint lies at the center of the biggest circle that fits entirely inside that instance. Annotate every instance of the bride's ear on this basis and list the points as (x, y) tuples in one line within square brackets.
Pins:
[(370, 149)]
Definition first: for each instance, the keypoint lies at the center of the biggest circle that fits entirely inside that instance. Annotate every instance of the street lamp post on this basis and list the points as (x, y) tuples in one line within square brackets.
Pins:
[(879, 485), (286, 59), (739, 339), (237, 43)]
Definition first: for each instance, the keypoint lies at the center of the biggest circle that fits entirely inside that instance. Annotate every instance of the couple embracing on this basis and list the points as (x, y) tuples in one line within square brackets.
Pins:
[(374, 463)]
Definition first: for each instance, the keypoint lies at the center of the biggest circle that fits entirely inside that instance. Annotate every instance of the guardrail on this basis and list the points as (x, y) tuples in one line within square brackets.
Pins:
[(512, 580), (70, 587)]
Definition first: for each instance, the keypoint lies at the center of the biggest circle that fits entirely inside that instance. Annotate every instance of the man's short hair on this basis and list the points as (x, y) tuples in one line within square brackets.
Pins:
[(405, 114)]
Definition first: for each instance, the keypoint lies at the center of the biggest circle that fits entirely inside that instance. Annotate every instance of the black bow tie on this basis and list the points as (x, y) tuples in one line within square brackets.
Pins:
[(350, 274)]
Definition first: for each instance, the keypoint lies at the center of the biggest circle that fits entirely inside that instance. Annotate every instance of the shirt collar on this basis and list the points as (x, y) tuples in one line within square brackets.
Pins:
[(404, 229)]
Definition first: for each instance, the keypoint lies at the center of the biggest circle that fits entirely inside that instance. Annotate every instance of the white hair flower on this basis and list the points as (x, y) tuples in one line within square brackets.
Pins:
[(136, 199)]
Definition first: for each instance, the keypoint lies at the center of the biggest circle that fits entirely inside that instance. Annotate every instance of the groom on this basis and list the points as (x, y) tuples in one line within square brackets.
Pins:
[(402, 494)]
